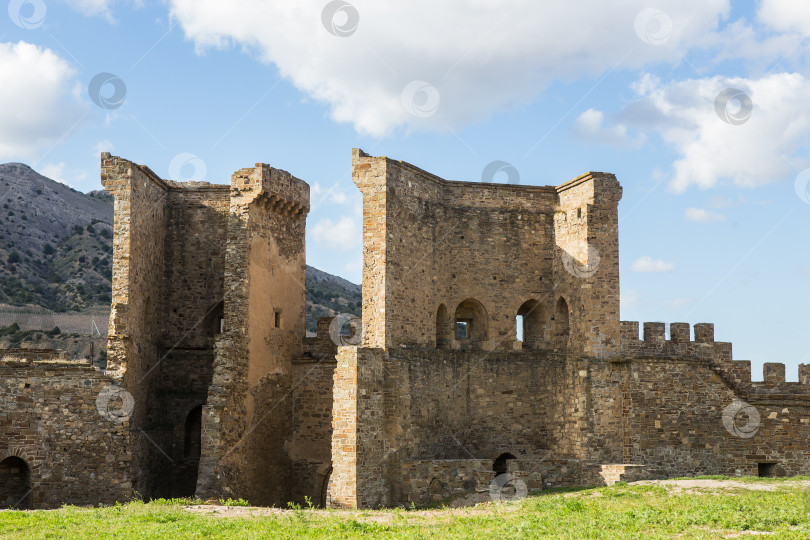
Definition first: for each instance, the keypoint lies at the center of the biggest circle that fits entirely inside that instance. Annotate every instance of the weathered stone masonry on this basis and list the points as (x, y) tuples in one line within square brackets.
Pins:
[(441, 390), (55, 447), (491, 345)]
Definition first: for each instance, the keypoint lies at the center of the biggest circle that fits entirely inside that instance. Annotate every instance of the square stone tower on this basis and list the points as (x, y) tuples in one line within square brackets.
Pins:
[(470, 290)]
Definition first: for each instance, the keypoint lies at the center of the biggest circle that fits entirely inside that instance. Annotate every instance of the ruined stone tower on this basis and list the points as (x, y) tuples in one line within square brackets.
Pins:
[(490, 351), (208, 314), (492, 345)]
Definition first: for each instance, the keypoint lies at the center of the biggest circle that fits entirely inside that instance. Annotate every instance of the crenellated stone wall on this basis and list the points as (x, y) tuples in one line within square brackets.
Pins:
[(490, 345), (441, 393)]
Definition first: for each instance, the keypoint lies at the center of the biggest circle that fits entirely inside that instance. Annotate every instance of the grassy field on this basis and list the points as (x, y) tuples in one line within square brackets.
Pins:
[(770, 508)]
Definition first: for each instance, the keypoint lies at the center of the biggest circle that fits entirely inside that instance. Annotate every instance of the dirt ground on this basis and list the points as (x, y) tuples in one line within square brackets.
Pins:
[(480, 502)]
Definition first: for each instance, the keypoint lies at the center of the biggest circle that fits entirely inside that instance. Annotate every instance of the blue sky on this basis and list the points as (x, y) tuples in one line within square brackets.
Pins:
[(715, 213)]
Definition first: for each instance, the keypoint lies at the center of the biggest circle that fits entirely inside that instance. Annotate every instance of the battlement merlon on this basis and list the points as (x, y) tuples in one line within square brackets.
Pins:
[(654, 342), (283, 191)]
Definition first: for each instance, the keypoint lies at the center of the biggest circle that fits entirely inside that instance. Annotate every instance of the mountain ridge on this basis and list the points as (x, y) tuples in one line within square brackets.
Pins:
[(56, 250)]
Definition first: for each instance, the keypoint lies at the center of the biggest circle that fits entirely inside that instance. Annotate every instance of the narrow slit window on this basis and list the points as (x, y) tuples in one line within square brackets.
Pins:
[(277, 319)]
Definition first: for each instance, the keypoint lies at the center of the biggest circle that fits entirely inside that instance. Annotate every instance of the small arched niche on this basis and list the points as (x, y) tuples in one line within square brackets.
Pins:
[(561, 324), (530, 324), (15, 483), (471, 326), (501, 463), (444, 328)]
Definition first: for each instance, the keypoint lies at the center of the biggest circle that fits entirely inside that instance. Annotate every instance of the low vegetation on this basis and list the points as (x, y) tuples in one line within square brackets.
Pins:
[(765, 507)]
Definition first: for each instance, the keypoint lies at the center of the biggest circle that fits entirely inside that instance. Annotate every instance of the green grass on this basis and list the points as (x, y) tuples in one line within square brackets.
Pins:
[(624, 511)]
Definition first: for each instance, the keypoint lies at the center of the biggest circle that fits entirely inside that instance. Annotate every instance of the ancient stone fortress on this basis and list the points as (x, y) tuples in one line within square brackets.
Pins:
[(490, 356)]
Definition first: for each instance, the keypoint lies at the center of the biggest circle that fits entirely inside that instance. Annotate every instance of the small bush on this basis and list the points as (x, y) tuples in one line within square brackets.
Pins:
[(233, 502)]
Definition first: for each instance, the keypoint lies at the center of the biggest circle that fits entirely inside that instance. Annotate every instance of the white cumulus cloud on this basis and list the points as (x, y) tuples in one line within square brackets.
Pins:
[(737, 145), (590, 125), (648, 264), (785, 15), (440, 65), (39, 100), (341, 235), (700, 215)]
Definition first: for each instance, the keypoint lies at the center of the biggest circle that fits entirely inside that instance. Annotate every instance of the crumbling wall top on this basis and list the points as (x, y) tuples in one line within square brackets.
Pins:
[(278, 186)]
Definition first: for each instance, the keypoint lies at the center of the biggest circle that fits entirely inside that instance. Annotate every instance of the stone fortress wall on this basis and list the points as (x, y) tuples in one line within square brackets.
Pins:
[(490, 349), (425, 410), (55, 447), (433, 247)]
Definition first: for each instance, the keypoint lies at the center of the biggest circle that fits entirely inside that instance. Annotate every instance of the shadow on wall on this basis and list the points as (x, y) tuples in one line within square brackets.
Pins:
[(15, 483)]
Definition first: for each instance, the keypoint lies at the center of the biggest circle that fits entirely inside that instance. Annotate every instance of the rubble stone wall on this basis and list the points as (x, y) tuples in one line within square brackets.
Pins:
[(49, 418)]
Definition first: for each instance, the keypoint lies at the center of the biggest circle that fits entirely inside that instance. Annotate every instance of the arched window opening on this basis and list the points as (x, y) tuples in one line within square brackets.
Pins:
[(193, 432), (325, 495), (214, 320), (501, 464), (561, 324), (443, 328), (470, 322), (15, 483), (530, 324)]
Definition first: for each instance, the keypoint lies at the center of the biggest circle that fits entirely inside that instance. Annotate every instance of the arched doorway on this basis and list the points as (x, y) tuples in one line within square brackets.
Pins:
[(185, 480), (471, 324), (325, 496), (193, 432), (531, 324), (561, 324), (443, 328), (15, 483)]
